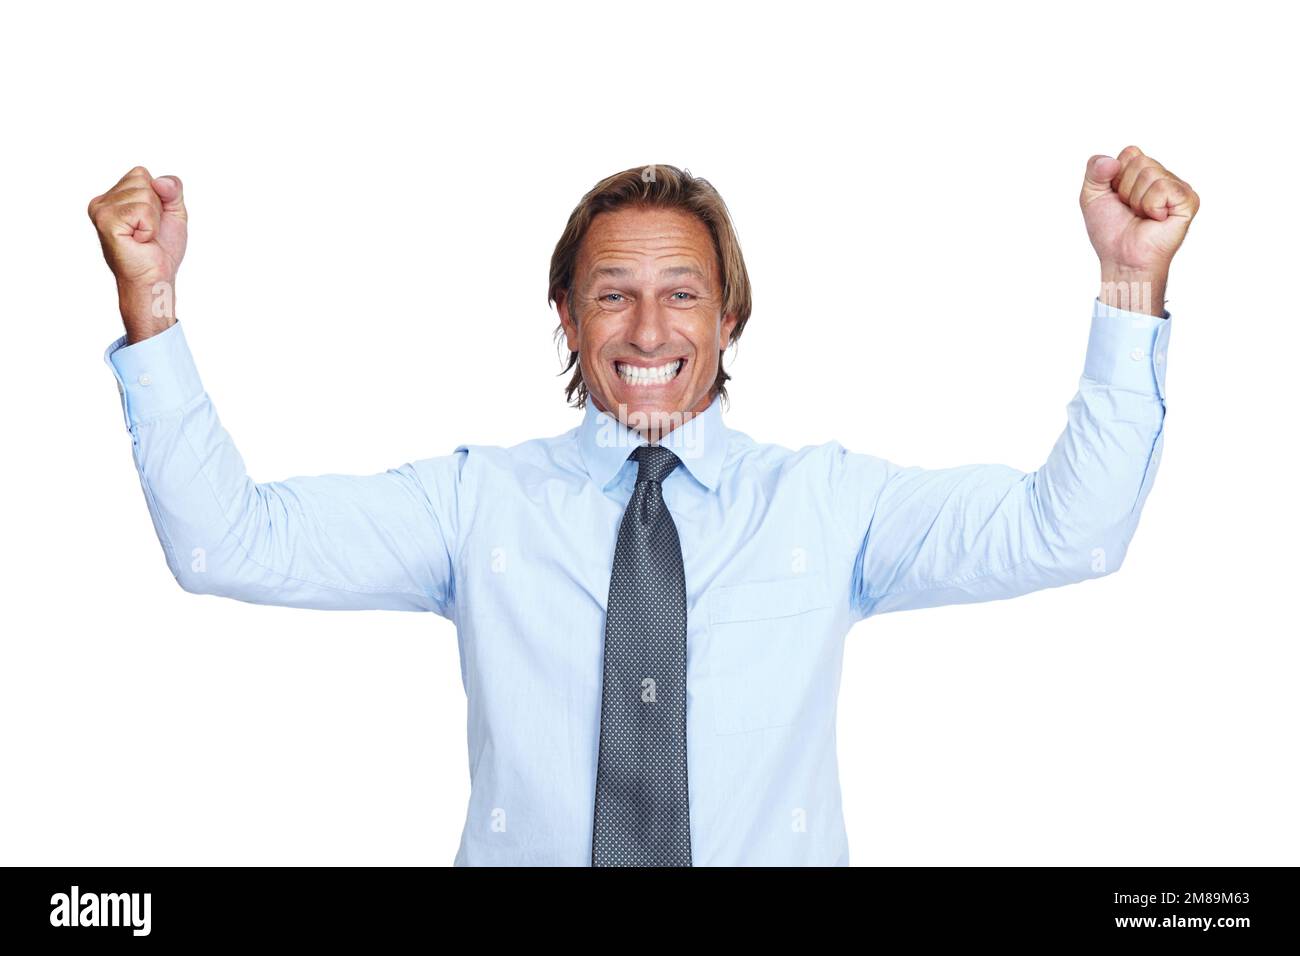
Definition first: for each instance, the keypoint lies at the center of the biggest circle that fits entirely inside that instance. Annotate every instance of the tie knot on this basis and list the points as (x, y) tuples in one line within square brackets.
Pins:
[(654, 462)]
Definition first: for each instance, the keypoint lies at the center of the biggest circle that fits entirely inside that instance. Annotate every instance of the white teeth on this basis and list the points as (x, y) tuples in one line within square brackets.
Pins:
[(635, 375)]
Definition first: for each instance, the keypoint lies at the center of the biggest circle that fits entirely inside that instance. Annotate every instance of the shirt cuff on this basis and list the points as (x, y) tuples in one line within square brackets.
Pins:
[(155, 375), (1127, 349)]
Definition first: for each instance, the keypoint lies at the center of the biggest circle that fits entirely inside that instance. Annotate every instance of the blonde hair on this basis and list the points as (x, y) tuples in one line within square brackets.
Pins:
[(660, 187)]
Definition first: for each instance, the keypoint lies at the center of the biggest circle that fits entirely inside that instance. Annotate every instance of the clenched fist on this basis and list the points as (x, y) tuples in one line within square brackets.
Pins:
[(141, 223), (1137, 213)]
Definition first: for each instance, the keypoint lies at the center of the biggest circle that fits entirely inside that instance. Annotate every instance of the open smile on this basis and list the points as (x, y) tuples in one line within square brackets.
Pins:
[(649, 376)]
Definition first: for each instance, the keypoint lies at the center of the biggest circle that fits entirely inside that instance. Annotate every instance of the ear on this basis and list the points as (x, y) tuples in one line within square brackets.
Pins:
[(568, 321), (728, 325)]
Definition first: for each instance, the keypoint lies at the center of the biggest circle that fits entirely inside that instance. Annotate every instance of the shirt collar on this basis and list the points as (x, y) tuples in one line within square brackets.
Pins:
[(700, 442)]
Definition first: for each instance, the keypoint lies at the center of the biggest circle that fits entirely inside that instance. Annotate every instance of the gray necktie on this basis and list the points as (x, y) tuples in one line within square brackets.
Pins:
[(642, 816)]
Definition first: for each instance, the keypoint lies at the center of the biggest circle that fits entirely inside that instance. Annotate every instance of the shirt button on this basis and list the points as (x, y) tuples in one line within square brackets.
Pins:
[(1160, 358), (145, 379), (1137, 355)]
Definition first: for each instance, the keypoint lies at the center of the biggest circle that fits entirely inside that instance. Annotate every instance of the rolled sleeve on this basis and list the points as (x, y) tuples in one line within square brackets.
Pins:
[(1127, 349), (155, 375)]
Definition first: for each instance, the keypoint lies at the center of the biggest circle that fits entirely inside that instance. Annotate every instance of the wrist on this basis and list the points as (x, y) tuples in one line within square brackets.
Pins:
[(1136, 290), (146, 308)]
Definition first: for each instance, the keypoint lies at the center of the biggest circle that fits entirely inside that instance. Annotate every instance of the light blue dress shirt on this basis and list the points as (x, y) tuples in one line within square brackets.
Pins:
[(784, 551)]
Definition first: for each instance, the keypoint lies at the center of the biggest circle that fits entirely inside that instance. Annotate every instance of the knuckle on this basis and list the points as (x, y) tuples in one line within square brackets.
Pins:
[(138, 195), (1147, 175), (132, 210)]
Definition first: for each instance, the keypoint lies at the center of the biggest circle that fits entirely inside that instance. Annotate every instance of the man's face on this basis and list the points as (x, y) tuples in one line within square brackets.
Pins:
[(646, 317)]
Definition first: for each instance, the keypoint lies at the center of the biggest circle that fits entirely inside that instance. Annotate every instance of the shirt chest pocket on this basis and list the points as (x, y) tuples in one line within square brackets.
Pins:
[(766, 661)]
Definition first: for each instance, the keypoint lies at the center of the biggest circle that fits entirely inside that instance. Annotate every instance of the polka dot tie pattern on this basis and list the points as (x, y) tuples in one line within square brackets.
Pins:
[(642, 815)]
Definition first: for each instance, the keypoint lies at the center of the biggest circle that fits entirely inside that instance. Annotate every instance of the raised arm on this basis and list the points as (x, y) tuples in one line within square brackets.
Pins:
[(987, 531), (328, 541), (982, 532)]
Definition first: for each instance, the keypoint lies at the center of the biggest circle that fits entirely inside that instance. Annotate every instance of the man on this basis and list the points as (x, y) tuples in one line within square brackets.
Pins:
[(651, 607)]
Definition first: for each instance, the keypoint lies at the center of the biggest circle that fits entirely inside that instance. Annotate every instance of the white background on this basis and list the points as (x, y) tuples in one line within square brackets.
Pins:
[(374, 194)]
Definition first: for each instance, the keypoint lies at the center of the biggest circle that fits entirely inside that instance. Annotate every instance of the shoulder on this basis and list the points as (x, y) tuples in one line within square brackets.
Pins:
[(530, 460), (744, 453), (826, 469)]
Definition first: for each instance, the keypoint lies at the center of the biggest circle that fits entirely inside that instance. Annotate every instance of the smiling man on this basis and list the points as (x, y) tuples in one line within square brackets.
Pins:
[(651, 607), (641, 295)]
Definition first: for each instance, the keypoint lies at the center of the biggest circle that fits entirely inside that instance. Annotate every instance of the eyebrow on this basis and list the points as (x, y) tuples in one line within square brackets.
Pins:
[(671, 272)]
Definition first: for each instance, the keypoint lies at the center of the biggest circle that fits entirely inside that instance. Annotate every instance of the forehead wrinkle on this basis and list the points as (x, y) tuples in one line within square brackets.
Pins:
[(604, 251), (606, 264), (654, 247), (667, 272)]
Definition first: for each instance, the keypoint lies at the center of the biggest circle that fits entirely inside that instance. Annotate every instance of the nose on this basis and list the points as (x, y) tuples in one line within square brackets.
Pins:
[(649, 327)]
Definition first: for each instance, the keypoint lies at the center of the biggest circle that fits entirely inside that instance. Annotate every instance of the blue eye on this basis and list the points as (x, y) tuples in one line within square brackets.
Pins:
[(608, 294), (687, 294)]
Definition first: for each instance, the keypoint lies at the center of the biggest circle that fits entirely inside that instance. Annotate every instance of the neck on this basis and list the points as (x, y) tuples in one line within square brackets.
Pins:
[(654, 425)]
